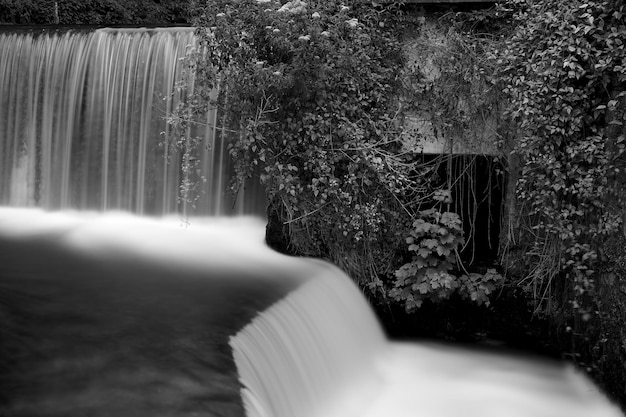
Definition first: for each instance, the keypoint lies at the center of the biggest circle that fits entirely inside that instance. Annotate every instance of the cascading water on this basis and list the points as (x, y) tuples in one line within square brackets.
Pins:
[(319, 352), (110, 314), (297, 358), (82, 122)]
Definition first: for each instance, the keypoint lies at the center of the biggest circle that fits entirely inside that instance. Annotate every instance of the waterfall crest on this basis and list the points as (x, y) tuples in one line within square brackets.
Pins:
[(82, 122), (319, 352), (312, 353)]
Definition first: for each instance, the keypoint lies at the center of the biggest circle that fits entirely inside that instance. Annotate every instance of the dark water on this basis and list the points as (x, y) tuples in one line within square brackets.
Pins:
[(83, 336)]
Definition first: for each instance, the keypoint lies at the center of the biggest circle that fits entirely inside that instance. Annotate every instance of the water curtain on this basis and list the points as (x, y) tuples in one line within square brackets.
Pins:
[(83, 125), (312, 353)]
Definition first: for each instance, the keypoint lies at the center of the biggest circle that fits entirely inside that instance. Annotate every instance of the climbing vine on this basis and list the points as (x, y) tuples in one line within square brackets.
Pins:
[(451, 82), (563, 71), (307, 95)]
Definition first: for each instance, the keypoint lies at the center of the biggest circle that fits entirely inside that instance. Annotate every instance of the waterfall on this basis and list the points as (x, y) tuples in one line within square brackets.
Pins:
[(82, 122), (312, 353), (319, 352)]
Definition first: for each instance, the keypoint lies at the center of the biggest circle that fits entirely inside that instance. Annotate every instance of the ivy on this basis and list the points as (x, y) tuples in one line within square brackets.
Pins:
[(307, 95), (564, 74)]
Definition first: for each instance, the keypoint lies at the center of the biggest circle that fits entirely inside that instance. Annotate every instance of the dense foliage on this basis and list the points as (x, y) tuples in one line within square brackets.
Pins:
[(564, 72), (94, 12), (563, 69), (307, 93), (435, 239)]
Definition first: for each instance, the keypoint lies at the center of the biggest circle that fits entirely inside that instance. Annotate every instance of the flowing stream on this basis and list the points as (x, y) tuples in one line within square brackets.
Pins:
[(169, 312)]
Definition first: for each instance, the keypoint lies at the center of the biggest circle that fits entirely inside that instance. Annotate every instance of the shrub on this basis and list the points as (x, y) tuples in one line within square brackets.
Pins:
[(308, 96)]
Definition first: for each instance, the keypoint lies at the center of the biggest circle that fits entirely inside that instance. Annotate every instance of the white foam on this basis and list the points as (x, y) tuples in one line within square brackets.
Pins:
[(212, 243), (431, 380), (319, 352)]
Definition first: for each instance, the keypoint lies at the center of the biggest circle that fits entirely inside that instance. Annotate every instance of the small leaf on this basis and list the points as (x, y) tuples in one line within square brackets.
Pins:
[(442, 251), (424, 253), (429, 243)]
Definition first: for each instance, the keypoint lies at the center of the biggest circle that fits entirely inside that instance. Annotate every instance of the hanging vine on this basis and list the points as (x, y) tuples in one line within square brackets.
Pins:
[(564, 76), (308, 96)]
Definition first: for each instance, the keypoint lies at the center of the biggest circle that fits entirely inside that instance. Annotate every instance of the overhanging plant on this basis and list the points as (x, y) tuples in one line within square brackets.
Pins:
[(307, 96)]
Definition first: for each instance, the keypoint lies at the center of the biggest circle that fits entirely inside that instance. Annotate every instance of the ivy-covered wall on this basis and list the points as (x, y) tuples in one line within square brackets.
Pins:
[(547, 79), (563, 71)]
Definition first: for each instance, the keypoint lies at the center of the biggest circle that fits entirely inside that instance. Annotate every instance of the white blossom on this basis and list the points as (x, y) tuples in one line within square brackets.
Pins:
[(220, 15), (315, 15), (344, 8), (353, 22), (325, 33), (263, 1), (293, 7), (276, 30), (305, 38)]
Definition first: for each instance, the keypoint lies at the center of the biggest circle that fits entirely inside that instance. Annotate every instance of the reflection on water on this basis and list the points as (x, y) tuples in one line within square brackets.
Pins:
[(118, 315)]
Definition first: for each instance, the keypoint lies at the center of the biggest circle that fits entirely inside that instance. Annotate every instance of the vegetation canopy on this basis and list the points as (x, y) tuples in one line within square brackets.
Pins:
[(563, 70), (308, 96), (564, 74), (94, 12)]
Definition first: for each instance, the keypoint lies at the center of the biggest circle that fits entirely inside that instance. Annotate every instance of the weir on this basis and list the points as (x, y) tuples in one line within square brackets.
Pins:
[(83, 125), (109, 313)]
